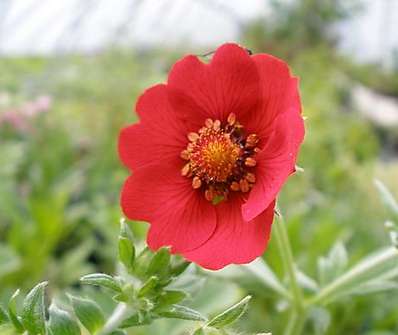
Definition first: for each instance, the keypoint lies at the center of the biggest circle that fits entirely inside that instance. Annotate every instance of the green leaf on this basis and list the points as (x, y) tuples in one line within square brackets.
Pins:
[(333, 265), (230, 315), (126, 246), (199, 331), (381, 265), (320, 318), (3, 316), (118, 332), (393, 232), (12, 312), (89, 313), (260, 270), (306, 281), (387, 197), (33, 312), (159, 264), (179, 268), (137, 320), (149, 286), (61, 322), (103, 280), (182, 312), (126, 294), (141, 263), (170, 297)]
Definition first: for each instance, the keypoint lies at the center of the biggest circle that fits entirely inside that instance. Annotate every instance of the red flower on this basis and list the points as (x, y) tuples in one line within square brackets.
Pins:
[(211, 151)]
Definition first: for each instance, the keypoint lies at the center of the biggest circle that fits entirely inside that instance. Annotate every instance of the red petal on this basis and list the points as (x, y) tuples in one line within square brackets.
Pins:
[(234, 241), (228, 84), (180, 217), (275, 81), (277, 160), (160, 135)]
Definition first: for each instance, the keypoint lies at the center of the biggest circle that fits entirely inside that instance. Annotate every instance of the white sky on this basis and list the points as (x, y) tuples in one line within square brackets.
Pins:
[(48, 26)]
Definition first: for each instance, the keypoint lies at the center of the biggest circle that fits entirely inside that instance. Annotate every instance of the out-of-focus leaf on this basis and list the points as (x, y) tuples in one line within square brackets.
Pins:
[(387, 197), (160, 263), (3, 316), (320, 318), (230, 315), (33, 312), (199, 331), (9, 260), (333, 265), (103, 280), (61, 322), (393, 232), (182, 312), (118, 332), (12, 312), (260, 269), (306, 281), (89, 313), (373, 268), (373, 287)]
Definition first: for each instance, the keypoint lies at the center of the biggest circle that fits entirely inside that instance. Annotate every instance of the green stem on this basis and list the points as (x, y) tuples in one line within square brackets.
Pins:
[(298, 313), (286, 254), (120, 313)]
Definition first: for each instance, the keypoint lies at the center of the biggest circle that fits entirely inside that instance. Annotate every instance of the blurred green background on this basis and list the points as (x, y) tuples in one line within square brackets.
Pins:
[(60, 114)]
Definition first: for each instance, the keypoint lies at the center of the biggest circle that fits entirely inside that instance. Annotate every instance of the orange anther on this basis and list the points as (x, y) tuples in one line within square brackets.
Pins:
[(196, 182), (250, 162)]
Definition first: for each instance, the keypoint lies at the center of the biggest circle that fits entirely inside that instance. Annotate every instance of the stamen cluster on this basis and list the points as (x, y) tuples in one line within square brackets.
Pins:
[(220, 158)]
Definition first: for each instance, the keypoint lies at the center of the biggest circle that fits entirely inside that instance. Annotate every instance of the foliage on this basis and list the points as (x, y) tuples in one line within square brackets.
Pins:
[(142, 293)]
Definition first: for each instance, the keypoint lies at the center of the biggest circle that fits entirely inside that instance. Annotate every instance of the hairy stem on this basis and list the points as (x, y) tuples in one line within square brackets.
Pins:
[(298, 314), (118, 316)]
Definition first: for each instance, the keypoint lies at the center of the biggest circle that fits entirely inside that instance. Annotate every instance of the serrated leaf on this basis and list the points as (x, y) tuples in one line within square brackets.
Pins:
[(3, 316), (230, 315), (160, 263), (89, 313), (12, 312), (149, 286), (103, 280), (61, 322), (183, 313), (33, 311)]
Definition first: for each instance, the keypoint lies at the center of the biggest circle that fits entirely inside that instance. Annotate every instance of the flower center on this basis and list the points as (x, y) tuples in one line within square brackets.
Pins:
[(220, 159)]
